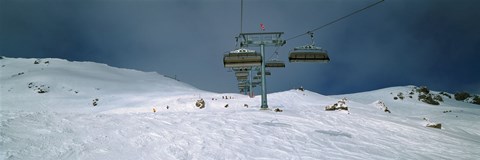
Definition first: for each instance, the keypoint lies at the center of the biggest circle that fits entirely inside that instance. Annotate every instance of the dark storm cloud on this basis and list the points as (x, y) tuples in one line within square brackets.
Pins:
[(400, 43), (432, 43)]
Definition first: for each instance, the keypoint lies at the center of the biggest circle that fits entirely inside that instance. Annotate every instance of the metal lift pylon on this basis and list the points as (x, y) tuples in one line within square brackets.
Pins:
[(262, 39)]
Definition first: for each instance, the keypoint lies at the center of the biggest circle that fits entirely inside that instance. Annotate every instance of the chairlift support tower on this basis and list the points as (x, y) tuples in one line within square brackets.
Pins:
[(262, 40), (246, 61)]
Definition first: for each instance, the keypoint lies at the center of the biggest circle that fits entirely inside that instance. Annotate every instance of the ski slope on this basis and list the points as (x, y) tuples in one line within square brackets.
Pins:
[(63, 123)]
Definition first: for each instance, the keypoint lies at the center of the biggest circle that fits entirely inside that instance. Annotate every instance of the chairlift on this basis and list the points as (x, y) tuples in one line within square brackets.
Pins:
[(242, 78), (242, 85), (241, 73), (275, 63), (238, 69), (244, 89), (242, 58), (257, 77), (267, 73), (308, 53), (258, 82)]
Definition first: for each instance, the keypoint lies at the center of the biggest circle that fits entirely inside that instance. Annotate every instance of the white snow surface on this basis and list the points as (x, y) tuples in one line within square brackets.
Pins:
[(63, 123)]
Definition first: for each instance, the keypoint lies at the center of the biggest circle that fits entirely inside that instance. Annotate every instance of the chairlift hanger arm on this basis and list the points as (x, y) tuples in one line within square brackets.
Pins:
[(336, 20), (311, 37)]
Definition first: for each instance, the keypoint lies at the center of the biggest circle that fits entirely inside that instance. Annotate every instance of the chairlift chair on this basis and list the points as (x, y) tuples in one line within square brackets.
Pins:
[(243, 90), (239, 69), (242, 58), (308, 53), (242, 85), (267, 73), (241, 73), (256, 82), (242, 78), (275, 63)]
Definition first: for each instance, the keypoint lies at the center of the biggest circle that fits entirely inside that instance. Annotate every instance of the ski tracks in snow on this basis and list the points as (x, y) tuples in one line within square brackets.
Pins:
[(229, 134)]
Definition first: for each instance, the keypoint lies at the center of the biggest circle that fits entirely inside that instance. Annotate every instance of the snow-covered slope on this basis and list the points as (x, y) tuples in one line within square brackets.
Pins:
[(73, 86), (63, 123)]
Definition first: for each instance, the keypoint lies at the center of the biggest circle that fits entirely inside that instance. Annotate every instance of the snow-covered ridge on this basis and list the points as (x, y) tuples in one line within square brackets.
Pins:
[(86, 110), (50, 83)]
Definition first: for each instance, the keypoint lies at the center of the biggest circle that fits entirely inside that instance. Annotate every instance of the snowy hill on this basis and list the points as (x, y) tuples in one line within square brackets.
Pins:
[(38, 84), (58, 109)]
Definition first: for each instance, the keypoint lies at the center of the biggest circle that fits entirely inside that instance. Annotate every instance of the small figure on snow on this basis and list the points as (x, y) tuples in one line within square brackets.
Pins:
[(94, 102), (386, 110)]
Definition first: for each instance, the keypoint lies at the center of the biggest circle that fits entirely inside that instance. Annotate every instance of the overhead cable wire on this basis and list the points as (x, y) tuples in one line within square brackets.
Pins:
[(336, 20)]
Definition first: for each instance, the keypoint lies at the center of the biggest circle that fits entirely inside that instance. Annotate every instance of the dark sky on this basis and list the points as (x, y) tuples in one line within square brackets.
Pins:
[(398, 42)]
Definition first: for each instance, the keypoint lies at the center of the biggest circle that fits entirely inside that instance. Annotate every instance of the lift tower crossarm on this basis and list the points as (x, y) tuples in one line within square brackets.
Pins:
[(259, 38)]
